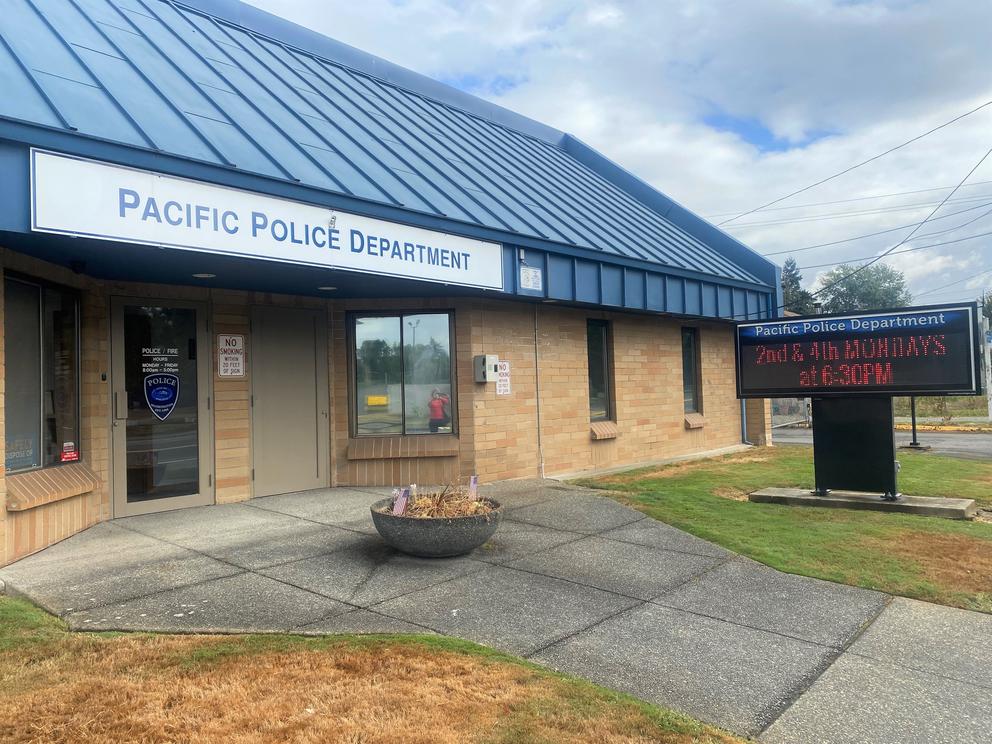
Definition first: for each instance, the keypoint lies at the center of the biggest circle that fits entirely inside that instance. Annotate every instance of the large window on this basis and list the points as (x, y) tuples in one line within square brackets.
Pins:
[(402, 374), (598, 349), (690, 371), (41, 332)]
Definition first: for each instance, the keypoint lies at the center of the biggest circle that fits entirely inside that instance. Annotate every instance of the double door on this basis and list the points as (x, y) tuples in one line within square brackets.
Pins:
[(161, 400)]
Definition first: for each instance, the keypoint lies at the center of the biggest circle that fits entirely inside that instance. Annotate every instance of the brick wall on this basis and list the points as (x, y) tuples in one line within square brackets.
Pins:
[(498, 435), (647, 376), (26, 532)]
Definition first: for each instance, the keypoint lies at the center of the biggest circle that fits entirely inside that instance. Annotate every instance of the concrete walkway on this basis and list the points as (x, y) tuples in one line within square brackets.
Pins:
[(573, 581)]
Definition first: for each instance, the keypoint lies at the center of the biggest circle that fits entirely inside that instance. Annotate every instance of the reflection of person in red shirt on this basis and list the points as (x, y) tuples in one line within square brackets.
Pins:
[(438, 410)]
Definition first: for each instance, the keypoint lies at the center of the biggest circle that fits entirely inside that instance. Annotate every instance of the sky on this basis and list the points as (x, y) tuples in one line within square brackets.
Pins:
[(727, 105)]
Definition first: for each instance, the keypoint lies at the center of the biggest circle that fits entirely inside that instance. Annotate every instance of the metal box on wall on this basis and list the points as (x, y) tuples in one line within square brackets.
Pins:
[(486, 367)]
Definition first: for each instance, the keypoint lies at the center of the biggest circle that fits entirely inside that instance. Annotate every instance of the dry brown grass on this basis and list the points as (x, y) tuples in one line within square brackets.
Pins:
[(87, 689), (681, 468), (729, 492), (951, 560)]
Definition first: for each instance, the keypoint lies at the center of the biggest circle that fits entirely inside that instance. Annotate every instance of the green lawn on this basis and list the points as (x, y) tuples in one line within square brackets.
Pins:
[(937, 560), (58, 686)]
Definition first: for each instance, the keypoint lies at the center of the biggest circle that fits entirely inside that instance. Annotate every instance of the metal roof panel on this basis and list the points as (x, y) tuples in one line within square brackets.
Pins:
[(219, 82)]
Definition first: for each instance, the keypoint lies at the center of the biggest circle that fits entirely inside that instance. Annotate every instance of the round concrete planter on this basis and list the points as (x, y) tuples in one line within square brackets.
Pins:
[(436, 538)]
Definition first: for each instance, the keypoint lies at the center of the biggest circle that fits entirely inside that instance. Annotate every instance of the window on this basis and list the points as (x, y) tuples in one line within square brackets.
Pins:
[(402, 374), (690, 370), (598, 347), (41, 331)]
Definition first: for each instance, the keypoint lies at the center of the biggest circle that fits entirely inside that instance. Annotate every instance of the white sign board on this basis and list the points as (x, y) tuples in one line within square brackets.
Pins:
[(503, 377), (87, 198), (531, 277), (230, 355)]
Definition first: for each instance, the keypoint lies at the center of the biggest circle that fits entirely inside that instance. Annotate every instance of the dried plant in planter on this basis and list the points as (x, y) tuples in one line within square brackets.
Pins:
[(442, 502), (437, 522)]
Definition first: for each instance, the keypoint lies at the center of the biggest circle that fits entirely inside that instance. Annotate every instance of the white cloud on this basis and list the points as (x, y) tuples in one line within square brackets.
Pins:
[(667, 88)]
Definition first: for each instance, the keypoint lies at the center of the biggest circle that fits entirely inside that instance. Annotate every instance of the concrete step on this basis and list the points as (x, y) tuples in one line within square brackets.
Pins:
[(927, 506)]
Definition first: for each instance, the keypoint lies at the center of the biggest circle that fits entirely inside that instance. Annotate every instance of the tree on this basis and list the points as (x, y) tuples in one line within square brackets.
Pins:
[(794, 297), (986, 303), (878, 286)]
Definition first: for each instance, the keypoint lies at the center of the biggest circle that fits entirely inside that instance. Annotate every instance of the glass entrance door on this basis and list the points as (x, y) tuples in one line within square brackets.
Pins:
[(161, 354)]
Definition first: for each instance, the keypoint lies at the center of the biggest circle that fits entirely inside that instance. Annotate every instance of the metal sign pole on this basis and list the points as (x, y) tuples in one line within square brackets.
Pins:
[(988, 362), (912, 412)]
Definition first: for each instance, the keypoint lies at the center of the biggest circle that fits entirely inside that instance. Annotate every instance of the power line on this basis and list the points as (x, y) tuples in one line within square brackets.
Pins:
[(858, 165), (968, 298), (905, 250), (854, 199), (954, 284), (888, 230), (882, 255), (858, 212)]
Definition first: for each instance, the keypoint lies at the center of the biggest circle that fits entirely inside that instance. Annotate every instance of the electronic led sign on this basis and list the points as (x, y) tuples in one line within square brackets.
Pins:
[(909, 351)]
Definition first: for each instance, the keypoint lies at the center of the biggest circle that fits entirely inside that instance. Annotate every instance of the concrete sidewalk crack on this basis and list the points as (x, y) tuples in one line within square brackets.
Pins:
[(919, 670), (569, 636), (811, 679)]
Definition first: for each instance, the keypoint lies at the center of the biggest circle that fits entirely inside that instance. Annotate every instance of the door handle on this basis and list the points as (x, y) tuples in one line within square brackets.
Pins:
[(120, 404)]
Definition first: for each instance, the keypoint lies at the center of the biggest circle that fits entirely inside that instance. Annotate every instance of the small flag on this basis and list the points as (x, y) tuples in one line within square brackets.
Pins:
[(399, 506)]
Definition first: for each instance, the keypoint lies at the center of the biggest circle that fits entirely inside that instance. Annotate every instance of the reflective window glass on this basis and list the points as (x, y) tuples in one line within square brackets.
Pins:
[(22, 392), (61, 377), (597, 341), (402, 374), (690, 370), (378, 375), (427, 374)]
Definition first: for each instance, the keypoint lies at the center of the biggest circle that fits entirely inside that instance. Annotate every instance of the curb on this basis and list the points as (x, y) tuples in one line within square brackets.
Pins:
[(941, 427)]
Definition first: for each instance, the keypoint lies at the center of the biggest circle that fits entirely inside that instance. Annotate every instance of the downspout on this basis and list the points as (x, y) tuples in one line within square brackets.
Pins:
[(744, 438), (537, 395)]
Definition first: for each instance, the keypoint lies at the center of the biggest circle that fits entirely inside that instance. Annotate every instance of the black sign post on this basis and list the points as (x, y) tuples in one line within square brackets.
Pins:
[(852, 365)]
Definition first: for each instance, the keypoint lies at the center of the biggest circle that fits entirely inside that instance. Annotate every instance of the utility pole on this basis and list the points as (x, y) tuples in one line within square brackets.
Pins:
[(988, 363)]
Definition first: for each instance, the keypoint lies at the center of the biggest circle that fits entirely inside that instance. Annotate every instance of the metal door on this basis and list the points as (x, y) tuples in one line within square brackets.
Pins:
[(289, 400)]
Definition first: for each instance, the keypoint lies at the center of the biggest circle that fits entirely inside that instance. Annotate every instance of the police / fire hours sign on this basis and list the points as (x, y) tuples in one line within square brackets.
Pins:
[(230, 355), (929, 350)]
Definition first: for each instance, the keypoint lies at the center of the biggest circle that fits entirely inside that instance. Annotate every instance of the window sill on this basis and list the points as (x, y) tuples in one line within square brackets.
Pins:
[(392, 447), (694, 421), (39, 487), (603, 430)]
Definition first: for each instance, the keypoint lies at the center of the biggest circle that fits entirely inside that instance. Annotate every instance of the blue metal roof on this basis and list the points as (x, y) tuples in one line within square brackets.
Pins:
[(218, 83)]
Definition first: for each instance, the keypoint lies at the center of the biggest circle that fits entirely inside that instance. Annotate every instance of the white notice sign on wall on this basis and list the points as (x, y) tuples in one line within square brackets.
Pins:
[(532, 278), (503, 377), (230, 355)]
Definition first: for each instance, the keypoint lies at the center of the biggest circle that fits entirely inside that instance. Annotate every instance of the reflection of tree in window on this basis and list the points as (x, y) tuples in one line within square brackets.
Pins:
[(379, 361)]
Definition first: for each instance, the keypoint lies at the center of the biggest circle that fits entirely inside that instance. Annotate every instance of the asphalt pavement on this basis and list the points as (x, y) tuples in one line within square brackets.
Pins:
[(966, 445)]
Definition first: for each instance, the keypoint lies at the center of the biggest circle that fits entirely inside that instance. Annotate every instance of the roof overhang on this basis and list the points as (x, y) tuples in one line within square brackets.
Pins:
[(567, 273)]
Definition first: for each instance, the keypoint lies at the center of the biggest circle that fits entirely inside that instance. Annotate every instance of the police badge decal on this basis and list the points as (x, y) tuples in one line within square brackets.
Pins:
[(161, 394)]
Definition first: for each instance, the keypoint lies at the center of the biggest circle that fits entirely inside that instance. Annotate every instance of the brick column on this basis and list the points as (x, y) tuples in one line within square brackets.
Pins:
[(759, 422), (232, 414)]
